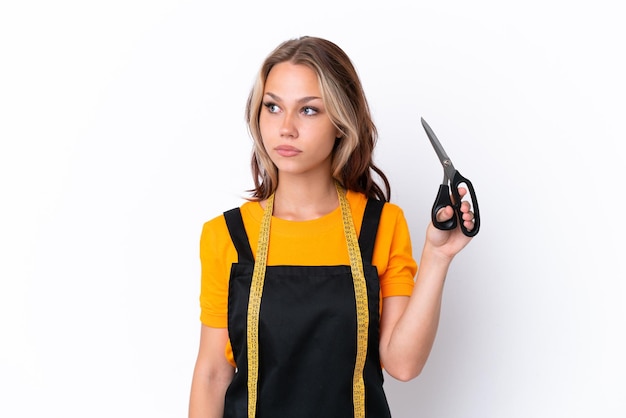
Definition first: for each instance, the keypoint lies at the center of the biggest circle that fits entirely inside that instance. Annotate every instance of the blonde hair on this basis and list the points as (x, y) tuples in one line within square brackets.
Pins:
[(345, 101)]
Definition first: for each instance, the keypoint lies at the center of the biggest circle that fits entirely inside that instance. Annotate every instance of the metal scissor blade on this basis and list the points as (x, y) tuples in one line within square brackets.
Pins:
[(441, 153)]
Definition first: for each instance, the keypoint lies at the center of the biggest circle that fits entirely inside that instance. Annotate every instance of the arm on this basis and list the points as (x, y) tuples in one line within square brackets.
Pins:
[(409, 324), (212, 375)]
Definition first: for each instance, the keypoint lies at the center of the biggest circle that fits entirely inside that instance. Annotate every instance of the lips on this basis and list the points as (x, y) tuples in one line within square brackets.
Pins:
[(287, 151)]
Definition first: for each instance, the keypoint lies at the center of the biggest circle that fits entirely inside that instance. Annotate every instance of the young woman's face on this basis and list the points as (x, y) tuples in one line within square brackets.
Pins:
[(297, 132)]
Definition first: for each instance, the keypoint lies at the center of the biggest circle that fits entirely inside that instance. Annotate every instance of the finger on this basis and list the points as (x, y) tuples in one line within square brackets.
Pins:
[(468, 216), (445, 214), (462, 192), (465, 209)]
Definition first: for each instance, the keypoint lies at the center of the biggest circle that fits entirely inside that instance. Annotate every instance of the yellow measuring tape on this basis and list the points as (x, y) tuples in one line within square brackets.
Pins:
[(360, 292), (362, 311), (254, 306)]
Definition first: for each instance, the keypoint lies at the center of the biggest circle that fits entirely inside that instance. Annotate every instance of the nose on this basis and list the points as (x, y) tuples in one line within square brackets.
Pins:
[(288, 127)]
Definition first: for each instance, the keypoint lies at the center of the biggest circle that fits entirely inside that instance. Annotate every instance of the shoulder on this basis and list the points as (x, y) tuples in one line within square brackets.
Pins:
[(216, 229), (247, 209), (358, 201), (392, 211)]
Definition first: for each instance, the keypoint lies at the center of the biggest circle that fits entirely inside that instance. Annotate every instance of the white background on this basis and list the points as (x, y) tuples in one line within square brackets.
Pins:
[(121, 127)]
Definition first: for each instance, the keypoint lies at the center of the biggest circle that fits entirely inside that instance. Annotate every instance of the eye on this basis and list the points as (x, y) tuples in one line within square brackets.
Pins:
[(272, 107), (309, 111)]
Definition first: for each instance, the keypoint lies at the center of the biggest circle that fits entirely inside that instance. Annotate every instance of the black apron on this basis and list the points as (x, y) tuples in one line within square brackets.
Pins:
[(307, 334)]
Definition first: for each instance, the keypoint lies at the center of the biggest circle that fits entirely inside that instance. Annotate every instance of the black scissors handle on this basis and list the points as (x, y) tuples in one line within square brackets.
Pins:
[(443, 199)]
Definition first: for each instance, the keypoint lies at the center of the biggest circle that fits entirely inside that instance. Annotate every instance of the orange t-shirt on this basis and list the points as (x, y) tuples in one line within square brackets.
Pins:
[(309, 243)]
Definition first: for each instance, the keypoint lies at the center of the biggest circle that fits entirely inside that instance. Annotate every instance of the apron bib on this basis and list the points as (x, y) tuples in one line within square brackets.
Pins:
[(305, 339)]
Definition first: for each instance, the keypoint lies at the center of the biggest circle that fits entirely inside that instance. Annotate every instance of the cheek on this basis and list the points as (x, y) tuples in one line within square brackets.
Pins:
[(262, 123), (264, 129), (326, 146), (269, 126)]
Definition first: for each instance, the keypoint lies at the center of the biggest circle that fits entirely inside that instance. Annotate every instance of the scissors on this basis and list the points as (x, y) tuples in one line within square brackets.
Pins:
[(452, 179)]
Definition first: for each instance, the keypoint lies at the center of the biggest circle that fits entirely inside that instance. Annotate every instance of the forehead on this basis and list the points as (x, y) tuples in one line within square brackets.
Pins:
[(288, 79)]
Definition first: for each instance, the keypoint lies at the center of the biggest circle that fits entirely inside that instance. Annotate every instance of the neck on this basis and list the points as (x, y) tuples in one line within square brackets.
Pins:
[(300, 200)]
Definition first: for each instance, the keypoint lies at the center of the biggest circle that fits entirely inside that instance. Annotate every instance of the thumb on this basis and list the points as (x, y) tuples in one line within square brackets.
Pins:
[(445, 214)]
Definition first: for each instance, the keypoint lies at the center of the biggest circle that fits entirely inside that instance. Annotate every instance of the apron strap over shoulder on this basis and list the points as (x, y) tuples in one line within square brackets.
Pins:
[(369, 228), (238, 234)]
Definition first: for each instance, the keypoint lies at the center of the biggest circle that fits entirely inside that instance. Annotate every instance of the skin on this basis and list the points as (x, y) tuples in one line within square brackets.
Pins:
[(294, 118), (299, 137)]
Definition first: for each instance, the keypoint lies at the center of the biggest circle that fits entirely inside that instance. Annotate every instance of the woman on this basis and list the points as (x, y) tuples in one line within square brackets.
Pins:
[(308, 288)]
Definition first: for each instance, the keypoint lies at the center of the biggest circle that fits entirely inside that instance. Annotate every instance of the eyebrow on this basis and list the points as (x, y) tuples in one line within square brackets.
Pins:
[(305, 99)]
